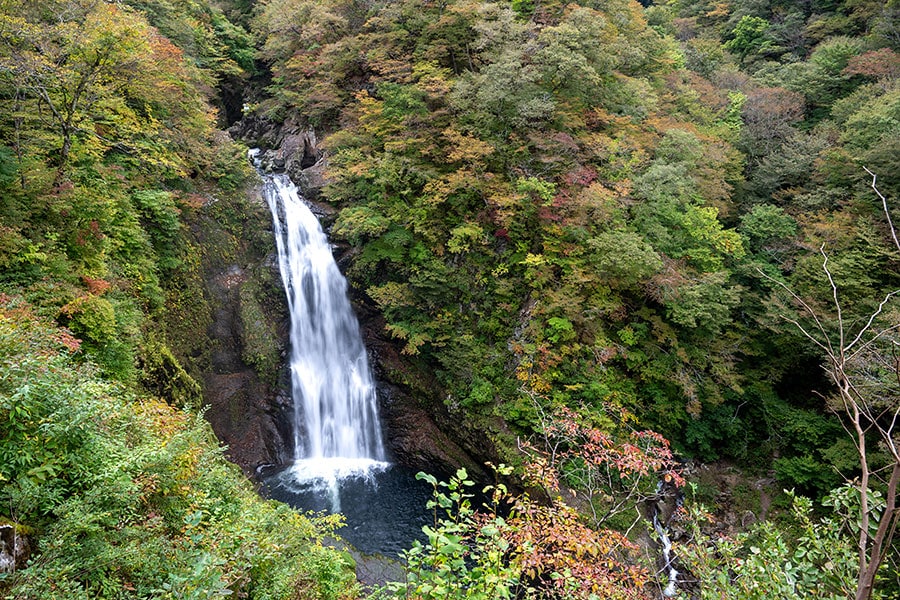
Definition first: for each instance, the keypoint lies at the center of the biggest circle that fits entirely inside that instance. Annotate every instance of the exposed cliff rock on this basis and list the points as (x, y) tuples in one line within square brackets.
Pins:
[(290, 147), (249, 414), (229, 328), (421, 433)]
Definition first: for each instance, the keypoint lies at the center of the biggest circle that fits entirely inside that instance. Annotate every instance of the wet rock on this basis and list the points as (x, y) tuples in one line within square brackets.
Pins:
[(312, 179), (249, 415), (414, 439), (375, 570), (421, 434), (290, 147)]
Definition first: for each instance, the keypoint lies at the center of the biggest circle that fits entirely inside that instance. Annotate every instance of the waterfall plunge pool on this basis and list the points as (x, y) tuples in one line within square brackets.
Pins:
[(383, 504)]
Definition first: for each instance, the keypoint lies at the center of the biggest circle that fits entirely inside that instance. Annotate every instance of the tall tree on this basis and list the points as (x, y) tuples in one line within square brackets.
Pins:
[(863, 362)]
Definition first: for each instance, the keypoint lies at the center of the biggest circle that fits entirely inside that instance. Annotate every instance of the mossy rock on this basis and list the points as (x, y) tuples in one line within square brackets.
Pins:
[(163, 376), (260, 348)]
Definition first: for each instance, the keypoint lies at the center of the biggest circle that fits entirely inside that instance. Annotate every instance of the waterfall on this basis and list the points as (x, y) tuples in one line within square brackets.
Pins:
[(666, 543), (337, 433)]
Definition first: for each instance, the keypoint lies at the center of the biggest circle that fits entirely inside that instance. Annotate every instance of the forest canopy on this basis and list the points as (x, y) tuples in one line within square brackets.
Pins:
[(591, 203)]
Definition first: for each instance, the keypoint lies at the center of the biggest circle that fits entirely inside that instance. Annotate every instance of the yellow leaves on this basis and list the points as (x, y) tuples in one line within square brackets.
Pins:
[(385, 57), (534, 260), (432, 80), (391, 295), (464, 236), (439, 189), (414, 340), (404, 145), (465, 148), (719, 11), (164, 420), (106, 80), (371, 111), (704, 225)]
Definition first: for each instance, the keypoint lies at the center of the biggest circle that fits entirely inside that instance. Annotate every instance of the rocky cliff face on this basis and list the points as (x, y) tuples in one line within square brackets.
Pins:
[(290, 148), (14, 549), (419, 431), (249, 414), (228, 328)]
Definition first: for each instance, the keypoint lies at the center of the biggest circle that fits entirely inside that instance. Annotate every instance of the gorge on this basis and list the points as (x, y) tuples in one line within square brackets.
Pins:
[(589, 245)]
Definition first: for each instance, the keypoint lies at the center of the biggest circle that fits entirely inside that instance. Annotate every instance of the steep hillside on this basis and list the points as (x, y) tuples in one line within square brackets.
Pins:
[(636, 214), (119, 198), (569, 205)]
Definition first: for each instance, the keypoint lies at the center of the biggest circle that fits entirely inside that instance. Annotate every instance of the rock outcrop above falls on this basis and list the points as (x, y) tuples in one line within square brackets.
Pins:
[(287, 148)]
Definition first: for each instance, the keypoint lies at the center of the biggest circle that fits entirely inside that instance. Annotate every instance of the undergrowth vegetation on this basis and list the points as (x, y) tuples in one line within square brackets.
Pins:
[(125, 496), (117, 192)]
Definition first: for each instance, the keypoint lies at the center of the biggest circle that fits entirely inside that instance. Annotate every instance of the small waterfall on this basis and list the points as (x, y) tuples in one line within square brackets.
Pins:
[(666, 546), (337, 433)]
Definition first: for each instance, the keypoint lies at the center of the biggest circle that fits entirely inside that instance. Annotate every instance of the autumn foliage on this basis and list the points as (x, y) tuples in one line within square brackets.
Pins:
[(543, 543)]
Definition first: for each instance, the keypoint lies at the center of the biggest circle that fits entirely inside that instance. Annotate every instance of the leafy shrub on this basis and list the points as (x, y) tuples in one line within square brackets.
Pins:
[(516, 547), (809, 557)]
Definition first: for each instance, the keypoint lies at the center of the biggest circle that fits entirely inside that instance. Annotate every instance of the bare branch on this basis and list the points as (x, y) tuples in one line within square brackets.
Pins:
[(872, 318), (826, 346), (834, 295), (875, 337), (861, 397), (887, 213)]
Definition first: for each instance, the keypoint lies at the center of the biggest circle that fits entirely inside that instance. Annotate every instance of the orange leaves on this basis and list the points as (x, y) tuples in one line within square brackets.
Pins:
[(615, 469), (30, 330), (611, 472), (641, 453), (555, 549), (96, 287)]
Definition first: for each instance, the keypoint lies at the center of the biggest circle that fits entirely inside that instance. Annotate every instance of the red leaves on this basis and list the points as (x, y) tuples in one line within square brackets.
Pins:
[(638, 453), (611, 472), (555, 549), (43, 337), (879, 64)]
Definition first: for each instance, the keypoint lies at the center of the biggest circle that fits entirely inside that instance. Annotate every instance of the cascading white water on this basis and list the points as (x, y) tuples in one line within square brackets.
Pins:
[(337, 433), (668, 559)]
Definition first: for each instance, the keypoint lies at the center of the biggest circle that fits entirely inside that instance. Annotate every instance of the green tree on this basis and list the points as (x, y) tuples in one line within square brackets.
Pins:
[(749, 37)]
